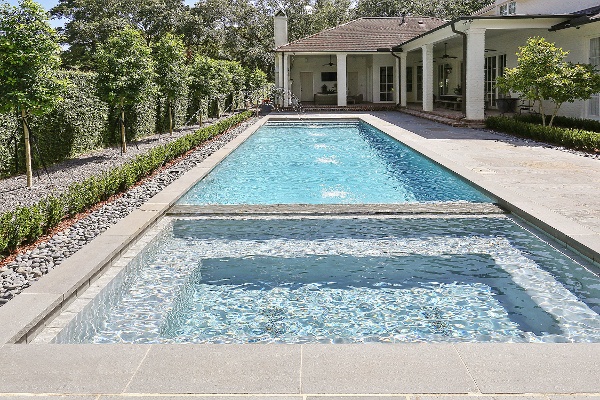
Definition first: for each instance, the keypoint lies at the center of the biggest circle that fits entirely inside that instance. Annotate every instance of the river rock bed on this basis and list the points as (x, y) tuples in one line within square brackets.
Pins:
[(29, 266)]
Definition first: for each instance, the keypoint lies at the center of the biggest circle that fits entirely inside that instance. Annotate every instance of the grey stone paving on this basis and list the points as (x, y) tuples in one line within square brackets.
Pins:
[(458, 208)]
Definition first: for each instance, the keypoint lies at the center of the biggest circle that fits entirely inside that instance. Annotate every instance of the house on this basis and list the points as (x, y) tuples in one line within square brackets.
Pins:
[(425, 60)]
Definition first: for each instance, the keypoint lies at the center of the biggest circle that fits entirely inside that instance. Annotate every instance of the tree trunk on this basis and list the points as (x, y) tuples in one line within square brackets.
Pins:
[(27, 151), (170, 119), (123, 138)]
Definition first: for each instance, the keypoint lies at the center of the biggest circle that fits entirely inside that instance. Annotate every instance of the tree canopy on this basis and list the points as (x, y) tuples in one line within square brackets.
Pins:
[(29, 61), (543, 74), (239, 30), (125, 71)]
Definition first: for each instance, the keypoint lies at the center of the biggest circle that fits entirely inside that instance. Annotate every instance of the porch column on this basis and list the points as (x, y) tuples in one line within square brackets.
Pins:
[(475, 90), (278, 70), (427, 77), (403, 79), (286, 80), (397, 81), (341, 80)]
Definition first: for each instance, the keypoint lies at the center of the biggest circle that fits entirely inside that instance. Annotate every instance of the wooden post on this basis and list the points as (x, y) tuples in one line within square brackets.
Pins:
[(27, 151)]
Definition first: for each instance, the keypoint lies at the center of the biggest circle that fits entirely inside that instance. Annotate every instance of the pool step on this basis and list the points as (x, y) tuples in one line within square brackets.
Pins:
[(449, 208)]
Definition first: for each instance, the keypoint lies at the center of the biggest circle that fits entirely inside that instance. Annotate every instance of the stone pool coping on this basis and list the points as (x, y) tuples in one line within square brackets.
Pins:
[(307, 370)]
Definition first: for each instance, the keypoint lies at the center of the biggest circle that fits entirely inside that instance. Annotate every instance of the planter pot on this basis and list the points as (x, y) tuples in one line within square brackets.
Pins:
[(506, 105)]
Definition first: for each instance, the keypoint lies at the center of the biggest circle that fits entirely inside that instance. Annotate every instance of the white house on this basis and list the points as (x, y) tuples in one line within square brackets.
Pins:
[(428, 59)]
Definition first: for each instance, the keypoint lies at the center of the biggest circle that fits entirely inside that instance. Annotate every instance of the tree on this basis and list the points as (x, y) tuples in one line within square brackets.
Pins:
[(446, 9), (543, 74), (29, 61), (125, 72), (91, 22), (171, 71)]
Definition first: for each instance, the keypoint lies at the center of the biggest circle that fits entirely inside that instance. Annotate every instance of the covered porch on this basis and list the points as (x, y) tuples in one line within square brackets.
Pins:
[(452, 70), (338, 79)]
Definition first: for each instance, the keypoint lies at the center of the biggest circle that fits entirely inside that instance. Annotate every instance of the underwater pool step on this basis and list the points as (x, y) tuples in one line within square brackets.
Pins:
[(447, 208)]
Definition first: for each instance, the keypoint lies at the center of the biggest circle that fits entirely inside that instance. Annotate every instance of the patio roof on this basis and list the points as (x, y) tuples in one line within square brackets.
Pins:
[(582, 17), (364, 35)]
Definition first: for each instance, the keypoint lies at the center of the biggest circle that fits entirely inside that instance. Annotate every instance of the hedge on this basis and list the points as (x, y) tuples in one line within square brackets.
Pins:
[(576, 139), (563, 122), (80, 123), (26, 224)]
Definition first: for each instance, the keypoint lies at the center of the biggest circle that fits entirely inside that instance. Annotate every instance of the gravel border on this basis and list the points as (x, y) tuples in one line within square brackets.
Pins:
[(14, 191), (32, 264)]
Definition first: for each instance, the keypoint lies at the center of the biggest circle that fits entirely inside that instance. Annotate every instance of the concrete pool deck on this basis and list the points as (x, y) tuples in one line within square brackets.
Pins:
[(558, 190)]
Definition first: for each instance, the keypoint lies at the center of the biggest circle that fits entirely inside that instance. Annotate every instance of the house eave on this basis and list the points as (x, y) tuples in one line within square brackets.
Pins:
[(471, 19)]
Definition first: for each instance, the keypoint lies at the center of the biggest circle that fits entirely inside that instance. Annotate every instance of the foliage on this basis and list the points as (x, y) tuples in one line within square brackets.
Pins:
[(563, 122), (543, 74), (171, 72), (91, 22), (255, 85), (570, 138), (125, 72), (26, 224), (446, 9), (29, 59)]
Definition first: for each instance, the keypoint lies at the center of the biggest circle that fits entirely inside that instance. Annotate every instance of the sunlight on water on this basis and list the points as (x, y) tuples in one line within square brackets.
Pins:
[(290, 164), (345, 281)]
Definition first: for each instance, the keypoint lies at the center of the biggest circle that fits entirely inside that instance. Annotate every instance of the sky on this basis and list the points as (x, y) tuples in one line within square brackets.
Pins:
[(48, 4)]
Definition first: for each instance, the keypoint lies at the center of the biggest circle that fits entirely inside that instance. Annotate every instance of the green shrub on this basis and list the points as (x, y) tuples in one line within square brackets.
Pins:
[(576, 139), (26, 224), (564, 122)]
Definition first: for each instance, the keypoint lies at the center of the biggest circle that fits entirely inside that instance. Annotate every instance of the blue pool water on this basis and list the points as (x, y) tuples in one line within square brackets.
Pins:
[(345, 280), (327, 163)]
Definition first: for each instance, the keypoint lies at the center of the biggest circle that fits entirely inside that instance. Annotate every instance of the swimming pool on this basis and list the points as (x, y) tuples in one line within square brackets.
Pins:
[(347, 162), (344, 280)]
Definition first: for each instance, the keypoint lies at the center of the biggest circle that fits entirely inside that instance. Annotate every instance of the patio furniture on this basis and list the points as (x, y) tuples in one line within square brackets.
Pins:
[(326, 99), (450, 101)]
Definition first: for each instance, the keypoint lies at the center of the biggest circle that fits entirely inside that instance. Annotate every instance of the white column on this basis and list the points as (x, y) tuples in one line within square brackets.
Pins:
[(397, 81), (427, 77), (403, 79), (286, 79), (475, 90), (341, 79), (278, 70)]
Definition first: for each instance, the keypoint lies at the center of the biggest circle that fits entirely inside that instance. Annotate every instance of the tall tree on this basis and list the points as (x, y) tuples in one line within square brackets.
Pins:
[(125, 72), (446, 9), (90, 22), (29, 61), (171, 71)]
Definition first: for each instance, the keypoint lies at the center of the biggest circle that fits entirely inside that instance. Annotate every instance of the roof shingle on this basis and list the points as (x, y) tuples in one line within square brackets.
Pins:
[(364, 35)]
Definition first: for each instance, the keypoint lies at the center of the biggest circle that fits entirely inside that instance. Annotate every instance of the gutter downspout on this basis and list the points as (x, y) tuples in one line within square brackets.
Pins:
[(463, 78), (399, 73)]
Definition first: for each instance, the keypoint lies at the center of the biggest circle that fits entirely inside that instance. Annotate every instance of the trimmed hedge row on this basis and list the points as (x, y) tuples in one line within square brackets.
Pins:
[(564, 122), (79, 124), (576, 139), (26, 224)]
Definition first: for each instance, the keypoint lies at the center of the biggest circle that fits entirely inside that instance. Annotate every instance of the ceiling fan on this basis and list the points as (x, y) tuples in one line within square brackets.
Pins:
[(331, 64), (446, 56)]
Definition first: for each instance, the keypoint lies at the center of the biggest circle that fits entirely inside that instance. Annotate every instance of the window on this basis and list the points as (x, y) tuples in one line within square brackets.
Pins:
[(494, 67), (594, 101), (443, 79), (386, 84), (508, 8), (419, 83), (409, 79)]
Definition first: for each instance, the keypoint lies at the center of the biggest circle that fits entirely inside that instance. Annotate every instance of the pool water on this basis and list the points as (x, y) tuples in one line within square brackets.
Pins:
[(327, 163), (345, 280)]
